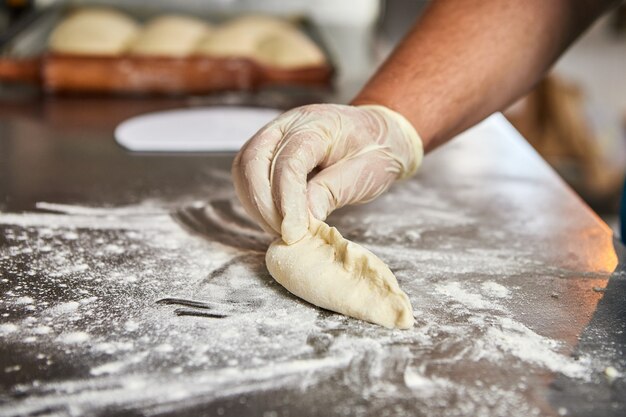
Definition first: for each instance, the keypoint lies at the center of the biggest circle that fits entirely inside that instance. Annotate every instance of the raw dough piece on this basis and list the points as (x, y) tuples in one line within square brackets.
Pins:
[(289, 50), (264, 39), (170, 35), (94, 31), (331, 272), (240, 37)]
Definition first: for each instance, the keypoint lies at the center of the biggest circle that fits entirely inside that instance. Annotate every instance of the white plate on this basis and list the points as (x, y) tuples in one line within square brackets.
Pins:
[(211, 129)]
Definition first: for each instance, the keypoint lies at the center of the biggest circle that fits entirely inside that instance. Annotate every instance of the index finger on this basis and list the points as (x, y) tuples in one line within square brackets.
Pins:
[(251, 177)]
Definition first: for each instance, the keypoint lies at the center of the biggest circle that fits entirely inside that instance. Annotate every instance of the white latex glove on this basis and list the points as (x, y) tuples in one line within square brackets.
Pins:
[(321, 157)]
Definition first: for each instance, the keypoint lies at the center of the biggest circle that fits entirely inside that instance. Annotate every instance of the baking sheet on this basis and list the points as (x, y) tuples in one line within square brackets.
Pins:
[(156, 75)]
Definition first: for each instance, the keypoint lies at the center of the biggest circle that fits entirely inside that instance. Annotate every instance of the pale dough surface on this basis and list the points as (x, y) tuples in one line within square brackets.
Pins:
[(289, 49), (268, 40), (239, 37), (94, 31), (170, 35), (334, 273)]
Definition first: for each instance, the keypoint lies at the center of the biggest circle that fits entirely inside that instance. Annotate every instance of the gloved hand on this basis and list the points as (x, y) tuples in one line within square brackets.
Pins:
[(321, 157)]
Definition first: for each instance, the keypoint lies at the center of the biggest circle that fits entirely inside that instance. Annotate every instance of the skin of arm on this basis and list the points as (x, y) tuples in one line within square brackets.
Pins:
[(465, 59)]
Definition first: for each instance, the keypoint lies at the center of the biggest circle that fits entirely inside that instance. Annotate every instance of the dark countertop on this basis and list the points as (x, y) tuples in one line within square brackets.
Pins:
[(518, 288)]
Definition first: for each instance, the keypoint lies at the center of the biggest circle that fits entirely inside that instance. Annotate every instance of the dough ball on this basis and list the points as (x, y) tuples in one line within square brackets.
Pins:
[(331, 272), (289, 49), (94, 31), (240, 37), (170, 35)]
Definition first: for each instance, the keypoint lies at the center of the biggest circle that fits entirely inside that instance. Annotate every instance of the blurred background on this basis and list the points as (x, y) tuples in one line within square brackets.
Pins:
[(576, 118)]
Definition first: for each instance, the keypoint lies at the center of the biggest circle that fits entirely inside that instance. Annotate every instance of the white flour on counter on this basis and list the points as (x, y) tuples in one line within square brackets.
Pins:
[(80, 290)]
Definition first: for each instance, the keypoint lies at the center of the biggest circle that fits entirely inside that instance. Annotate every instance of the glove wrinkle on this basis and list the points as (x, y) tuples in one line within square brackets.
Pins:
[(360, 150)]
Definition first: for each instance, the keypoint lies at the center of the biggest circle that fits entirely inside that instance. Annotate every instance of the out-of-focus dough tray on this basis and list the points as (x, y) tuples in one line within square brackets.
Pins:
[(25, 59)]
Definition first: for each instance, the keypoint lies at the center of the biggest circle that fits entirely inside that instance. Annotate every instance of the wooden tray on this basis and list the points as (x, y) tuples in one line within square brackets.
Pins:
[(59, 73)]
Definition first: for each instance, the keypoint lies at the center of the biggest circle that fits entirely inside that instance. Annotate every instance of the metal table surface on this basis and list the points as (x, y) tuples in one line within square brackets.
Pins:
[(518, 288)]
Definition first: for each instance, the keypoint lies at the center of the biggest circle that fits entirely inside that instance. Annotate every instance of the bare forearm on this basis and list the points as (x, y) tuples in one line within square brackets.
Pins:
[(466, 59)]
